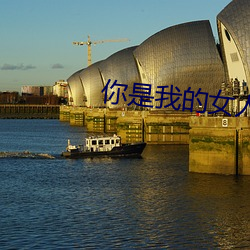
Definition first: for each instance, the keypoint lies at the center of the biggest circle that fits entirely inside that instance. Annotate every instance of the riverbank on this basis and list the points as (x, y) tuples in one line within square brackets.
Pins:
[(25, 111)]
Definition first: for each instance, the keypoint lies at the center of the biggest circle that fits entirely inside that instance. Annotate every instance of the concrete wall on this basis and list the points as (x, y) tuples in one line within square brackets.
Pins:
[(132, 126), (167, 129), (64, 114), (219, 145)]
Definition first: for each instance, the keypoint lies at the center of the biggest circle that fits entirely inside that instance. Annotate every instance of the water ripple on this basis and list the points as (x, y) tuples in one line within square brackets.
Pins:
[(148, 203)]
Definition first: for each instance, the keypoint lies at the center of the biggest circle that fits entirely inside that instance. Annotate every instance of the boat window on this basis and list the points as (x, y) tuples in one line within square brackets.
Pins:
[(93, 142), (112, 141), (107, 142), (100, 142), (117, 141)]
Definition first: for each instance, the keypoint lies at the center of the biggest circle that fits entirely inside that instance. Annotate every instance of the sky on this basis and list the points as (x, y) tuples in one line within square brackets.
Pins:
[(36, 35)]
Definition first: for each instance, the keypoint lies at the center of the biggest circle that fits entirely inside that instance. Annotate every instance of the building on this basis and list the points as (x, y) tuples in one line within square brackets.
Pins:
[(38, 95), (9, 97), (92, 84), (76, 93), (234, 32), (60, 89), (183, 58), (120, 66), (37, 90)]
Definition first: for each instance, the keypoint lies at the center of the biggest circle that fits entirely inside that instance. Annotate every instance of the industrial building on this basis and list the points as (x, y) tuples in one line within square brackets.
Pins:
[(38, 95), (60, 89), (9, 97), (120, 66), (234, 34), (37, 90), (92, 92), (183, 57)]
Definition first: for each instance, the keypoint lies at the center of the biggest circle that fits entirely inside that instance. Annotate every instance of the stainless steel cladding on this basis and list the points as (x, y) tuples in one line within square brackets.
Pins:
[(184, 56), (92, 84), (234, 33), (120, 66), (75, 89)]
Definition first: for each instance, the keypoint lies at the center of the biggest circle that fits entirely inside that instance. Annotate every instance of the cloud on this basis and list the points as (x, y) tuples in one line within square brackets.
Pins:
[(21, 66), (27, 67), (57, 66)]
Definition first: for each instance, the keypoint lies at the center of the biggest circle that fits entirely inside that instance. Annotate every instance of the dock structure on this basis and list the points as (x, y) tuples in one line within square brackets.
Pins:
[(219, 145), (132, 126), (25, 111)]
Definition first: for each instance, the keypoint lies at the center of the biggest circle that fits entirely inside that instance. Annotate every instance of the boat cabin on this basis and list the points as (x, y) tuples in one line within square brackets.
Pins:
[(102, 143)]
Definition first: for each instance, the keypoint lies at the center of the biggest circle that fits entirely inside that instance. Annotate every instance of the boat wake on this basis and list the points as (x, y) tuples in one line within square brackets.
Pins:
[(26, 154)]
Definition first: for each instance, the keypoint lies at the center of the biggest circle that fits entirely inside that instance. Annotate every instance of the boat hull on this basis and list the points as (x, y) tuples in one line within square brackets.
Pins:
[(126, 150)]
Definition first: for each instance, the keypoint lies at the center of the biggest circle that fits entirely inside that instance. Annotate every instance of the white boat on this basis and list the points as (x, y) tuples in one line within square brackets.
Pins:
[(96, 146)]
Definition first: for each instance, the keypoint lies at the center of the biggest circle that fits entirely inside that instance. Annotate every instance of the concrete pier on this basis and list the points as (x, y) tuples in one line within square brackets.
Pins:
[(64, 114), (167, 128), (219, 145), (132, 126)]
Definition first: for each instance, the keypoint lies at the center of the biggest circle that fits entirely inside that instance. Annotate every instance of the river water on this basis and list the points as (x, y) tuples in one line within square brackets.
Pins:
[(149, 203)]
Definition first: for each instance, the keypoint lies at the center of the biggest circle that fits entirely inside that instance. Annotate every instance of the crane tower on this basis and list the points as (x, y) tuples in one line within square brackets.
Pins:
[(89, 43)]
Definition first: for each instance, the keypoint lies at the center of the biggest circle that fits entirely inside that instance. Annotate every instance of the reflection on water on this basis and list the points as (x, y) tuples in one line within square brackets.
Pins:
[(224, 201), (106, 203)]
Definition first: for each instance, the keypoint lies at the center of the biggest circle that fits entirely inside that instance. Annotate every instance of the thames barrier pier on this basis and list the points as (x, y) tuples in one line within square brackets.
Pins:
[(132, 126), (219, 145)]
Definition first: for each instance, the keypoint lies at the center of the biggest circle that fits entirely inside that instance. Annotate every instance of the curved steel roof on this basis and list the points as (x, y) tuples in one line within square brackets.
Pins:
[(184, 56), (76, 91), (236, 18), (92, 84), (120, 66)]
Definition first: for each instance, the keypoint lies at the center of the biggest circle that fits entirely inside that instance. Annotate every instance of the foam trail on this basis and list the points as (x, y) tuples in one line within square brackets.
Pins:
[(26, 154)]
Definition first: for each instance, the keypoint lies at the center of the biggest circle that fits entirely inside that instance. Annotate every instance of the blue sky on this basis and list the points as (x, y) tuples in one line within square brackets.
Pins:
[(36, 35)]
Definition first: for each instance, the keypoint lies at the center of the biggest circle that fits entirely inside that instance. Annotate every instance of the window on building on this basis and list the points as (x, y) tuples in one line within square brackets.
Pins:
[(227, 35)]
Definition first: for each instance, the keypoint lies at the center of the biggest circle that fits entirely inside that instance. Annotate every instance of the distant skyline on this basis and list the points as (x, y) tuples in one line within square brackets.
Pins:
[(36, 35)]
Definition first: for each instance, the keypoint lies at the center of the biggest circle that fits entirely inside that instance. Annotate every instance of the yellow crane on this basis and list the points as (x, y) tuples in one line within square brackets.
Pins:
[(89, 43)]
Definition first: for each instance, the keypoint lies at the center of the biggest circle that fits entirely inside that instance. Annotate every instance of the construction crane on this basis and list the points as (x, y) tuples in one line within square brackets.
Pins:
[(89, 43)]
